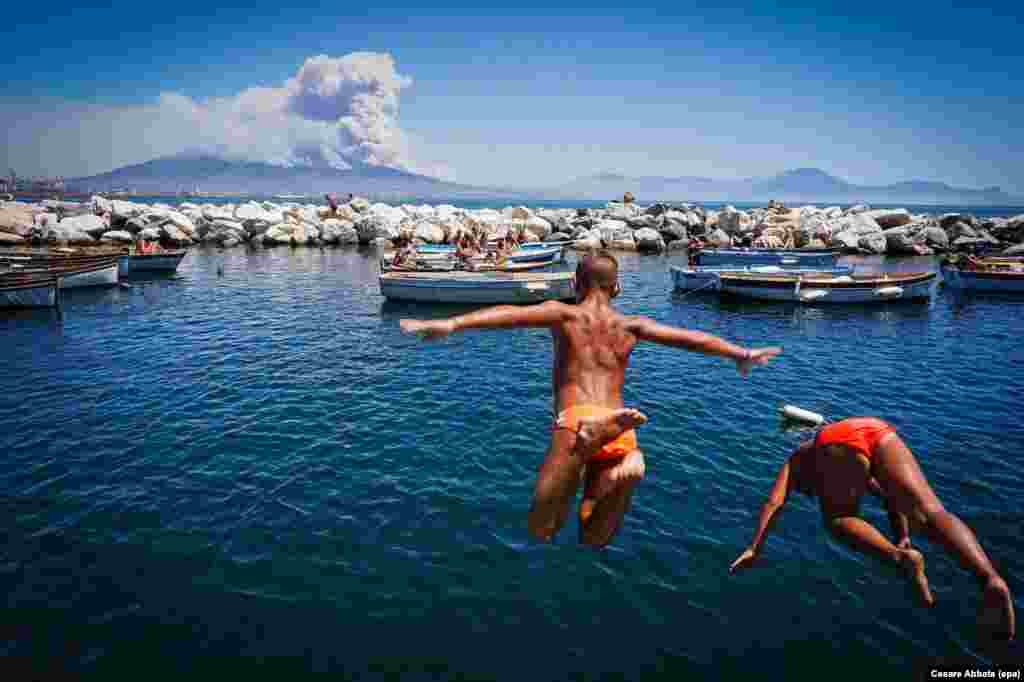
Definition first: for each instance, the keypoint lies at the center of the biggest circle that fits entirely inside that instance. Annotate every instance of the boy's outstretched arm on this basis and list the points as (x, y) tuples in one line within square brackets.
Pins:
[(496, 317), (648, 330), (776, 500)]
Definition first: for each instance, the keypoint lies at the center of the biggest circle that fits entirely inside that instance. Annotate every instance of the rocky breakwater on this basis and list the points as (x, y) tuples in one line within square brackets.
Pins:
[(617, 225)]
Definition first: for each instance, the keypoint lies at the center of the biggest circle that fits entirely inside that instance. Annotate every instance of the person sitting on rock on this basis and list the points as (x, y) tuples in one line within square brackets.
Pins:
[(865, 455)]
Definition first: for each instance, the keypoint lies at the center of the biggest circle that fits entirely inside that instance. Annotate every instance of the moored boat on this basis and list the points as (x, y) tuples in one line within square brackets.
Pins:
[(542, 256), (475, 287), (28, 291), (74, 271), (804, 258), (989, 279), (692, 279), (450, 248), (451, 265), (815, 288), (166, 261)]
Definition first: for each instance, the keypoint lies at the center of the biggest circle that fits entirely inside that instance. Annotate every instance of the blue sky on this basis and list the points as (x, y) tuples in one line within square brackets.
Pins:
[(534, 94)]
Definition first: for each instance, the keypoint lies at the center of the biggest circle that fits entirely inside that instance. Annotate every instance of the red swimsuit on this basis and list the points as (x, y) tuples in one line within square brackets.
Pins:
[(862, 434)]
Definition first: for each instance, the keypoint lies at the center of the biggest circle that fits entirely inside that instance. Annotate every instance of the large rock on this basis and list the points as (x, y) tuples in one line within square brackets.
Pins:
[(611, 230), (213, 213), (125, 210), (874, 242), (890, 217), (171, 232), (11, 239), (673, 231), (517, 213), (623, 212), (334, 231), (677, 245), (304, 233), (151, 234), (117, 236), (959, 229), (16, 220), (371, 227), (537, 226), (730, 220), (719, 238), (67, 230), (898, 241), (645, 220), (559, 219), (648, 240), (934, 237), (101, 204), (182, 222), (949, 219), (558, 237), (94, 225), (430, 232), (622, 245), (1015, 250), (851, 228)]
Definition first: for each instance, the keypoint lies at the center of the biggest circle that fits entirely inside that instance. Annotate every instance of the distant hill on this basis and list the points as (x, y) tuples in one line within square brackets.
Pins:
[(799, 185), (211, 174)]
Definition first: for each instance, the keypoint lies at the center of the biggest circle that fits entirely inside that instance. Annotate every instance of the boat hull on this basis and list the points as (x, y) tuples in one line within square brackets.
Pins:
[(972, 280), (29, 295), (481, 289), (843, 289), (692, 279), (93, 276), (808, 259), (159, 262)]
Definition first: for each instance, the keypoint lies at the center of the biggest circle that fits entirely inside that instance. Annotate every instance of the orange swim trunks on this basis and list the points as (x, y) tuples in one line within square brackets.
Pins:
[(862, 434), (617, 449)]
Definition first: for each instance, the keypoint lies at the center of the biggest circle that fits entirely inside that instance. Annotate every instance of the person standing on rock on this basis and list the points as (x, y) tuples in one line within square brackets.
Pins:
[(593, 438), (855, 456)]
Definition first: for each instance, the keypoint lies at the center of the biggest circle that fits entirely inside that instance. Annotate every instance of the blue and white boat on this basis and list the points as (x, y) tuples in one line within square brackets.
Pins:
[(165, 261), (809, 258), (692, 279), (477, 287), (548, 255), (993, 280)]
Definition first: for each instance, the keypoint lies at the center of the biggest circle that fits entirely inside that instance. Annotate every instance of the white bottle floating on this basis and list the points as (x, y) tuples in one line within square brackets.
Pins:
[(797, 414)]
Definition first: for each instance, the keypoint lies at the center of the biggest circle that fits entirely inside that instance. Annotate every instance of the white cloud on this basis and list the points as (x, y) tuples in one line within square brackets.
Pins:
[(337, 111)]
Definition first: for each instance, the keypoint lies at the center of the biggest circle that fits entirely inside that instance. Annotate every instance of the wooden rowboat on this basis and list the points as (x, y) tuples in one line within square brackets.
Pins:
[(698, 278), (814, 288), (455, 266), (991, 280), (165, 261), (477, 287), (804, 258), (26, 291), (74, 271)]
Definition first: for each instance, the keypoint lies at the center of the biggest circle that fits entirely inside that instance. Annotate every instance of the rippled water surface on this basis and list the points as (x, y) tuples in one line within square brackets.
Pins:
[(249, 463)]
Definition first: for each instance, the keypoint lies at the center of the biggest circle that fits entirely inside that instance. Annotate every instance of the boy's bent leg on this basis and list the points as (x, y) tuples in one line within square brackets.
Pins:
[(860, 535), (908, 491), (607, 495), (556, 486)]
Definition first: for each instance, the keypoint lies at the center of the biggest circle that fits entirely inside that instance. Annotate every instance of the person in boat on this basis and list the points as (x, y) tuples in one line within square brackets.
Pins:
[(693, 248), (405, 256), (592, 439), (865, 455), (465, 251), (332, 202)]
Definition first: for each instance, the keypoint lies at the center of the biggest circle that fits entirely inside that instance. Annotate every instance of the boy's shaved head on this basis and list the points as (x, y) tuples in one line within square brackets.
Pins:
[(599, 270)]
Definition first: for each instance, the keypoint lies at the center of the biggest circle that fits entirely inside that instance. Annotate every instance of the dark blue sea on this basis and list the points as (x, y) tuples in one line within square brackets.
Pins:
[(247, 467)]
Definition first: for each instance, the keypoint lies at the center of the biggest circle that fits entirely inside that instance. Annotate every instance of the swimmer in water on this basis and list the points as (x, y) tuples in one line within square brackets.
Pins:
[(593, 438), (865, 455)]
